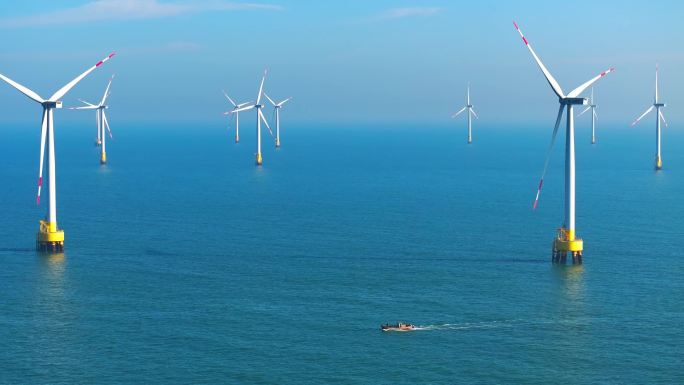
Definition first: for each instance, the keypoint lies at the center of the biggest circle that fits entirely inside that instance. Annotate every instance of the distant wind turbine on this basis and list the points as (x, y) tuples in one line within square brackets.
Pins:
[(277, 107), (102, 122), (237, 115), (470, 109), (592, 107), (260, 117), (659, 115)]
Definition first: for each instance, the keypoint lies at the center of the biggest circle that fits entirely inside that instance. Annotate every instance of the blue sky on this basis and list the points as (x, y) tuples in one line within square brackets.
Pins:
[(354, 61)]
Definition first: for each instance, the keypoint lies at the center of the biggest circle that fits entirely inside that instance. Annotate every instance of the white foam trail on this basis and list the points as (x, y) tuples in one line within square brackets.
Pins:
[(495, 324), (463, 326)]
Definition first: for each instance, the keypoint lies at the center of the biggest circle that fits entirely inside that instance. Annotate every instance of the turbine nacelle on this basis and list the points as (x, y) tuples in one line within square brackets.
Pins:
[(52, 104), (573, 101), (659, 104)]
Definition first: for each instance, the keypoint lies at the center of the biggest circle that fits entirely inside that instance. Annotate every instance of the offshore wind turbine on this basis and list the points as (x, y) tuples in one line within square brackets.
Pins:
[(592, 107), (470, 109), (102, 122), (566, 238), (237, 115), (50, 237), (277, 107), (260, 117), (659, 115)]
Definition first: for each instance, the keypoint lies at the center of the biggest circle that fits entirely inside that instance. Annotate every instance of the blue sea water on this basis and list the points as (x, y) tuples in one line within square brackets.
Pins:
[(185, 263)]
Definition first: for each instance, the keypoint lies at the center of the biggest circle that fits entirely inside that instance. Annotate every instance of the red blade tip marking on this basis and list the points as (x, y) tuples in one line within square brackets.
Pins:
[(38, 200), (525, 40), (516, 25), (99, 63), (40, 181)]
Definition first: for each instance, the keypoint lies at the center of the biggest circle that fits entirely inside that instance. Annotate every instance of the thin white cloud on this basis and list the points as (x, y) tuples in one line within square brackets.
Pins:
[(119, 10), (400, 13), (170, 47), (183, 46), (175, 46)]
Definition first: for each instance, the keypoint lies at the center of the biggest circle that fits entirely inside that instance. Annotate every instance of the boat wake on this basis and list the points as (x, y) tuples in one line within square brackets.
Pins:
[(499, 324), (466, 325)]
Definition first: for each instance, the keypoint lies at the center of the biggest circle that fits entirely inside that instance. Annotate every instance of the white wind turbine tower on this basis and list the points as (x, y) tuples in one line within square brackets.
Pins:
[(277, 107), (49, 237), (592, 107), (659, 115), (102, 121), (260, 116), (470, 109), (237, 115), (566, 239)]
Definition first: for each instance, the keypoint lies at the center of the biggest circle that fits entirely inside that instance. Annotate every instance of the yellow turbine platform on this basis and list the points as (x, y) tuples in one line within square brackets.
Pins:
[(567, 242), (659, 163), (49, 238), (103, 158), (259, 160)]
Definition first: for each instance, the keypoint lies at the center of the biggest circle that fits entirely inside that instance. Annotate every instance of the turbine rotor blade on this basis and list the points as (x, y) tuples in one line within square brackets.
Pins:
[(662, 117), (261, 115), (459, 112), (261, 87), (595, 115), (24, 90), (585, 110), (84, 108), (474, 114), (84, 102), (642, 115), (242, 109), (269, 99), (106, 93), (577, 91), (656, 85), (549, 78), (62, 91), (243, 104), (104, 118), (548, 156), (284, 101), (43, 131), (229, 99)]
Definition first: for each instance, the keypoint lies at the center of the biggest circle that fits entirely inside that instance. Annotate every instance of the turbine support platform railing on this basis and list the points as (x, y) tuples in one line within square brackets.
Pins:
[(48, 238), (566, 242)]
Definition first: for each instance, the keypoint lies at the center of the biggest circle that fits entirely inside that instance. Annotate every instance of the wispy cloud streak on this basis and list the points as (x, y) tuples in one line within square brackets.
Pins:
[(400, 13), (120, 10)]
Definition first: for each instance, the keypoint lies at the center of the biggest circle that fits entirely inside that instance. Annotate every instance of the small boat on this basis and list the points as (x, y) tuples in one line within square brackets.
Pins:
[(399, 327)]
